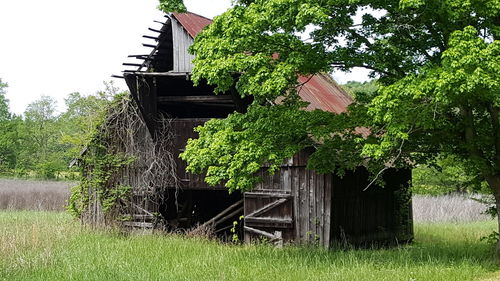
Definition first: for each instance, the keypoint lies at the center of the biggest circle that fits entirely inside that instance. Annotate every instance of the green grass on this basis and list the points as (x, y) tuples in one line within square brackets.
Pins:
[(52, 246)]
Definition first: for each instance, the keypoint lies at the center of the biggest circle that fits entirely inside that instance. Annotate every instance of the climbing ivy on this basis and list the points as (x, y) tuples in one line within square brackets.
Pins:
[(100, 164)]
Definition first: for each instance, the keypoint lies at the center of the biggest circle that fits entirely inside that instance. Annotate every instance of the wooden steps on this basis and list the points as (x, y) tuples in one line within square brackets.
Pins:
[(140, 222)]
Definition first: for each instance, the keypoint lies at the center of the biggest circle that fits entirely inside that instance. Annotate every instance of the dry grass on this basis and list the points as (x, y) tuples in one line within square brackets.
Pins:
[(33, 195), (447, 208)]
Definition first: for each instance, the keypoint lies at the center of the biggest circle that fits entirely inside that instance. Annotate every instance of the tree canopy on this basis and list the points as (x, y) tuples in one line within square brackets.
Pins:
[(4, 102), (436, 63), (420, 51)]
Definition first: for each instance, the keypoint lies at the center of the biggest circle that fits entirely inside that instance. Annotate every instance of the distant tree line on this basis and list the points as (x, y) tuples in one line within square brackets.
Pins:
[(41, 142)]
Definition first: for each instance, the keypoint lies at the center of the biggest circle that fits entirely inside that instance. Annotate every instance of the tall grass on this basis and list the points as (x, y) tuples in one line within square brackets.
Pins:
[(448, 208), (33, 195), (52, 246)]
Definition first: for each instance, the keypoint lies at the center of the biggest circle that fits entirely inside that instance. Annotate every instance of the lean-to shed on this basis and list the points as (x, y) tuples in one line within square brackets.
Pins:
[(295, 204)]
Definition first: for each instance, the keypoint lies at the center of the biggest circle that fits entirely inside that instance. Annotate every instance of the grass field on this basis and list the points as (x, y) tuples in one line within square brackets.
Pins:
[(33, 195), (447, 208), (52, 246)]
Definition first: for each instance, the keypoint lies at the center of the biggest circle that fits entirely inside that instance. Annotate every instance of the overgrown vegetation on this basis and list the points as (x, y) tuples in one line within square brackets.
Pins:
[(52, 246), (120, 158), (447, 175), (100, 162), (101, 131)]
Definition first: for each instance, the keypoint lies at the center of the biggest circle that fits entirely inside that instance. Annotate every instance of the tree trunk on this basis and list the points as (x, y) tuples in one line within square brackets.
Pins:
[(494, 183)]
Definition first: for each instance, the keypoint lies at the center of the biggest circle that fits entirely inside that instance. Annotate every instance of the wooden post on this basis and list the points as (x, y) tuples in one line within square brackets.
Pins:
[(279, 239)]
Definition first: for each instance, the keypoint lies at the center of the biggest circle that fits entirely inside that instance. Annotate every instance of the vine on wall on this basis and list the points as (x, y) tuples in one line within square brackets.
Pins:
[(121, 159)]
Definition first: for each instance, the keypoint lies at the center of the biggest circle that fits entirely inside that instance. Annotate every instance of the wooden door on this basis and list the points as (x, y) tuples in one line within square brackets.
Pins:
[(269, 215)]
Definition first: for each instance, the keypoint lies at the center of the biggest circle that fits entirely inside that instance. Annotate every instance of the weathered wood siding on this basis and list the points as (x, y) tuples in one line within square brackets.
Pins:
[(322, 207), (143, 199), (184, 130), (311, 197), (380, 214), (310, 193), (181, 42)]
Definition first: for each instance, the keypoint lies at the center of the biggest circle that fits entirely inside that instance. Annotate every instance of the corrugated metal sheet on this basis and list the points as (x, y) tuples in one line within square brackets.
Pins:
[(319, 90), (192, 22), (323, 93)]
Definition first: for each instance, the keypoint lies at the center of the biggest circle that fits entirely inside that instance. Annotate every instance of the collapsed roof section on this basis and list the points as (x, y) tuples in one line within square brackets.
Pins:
[(169, 57)]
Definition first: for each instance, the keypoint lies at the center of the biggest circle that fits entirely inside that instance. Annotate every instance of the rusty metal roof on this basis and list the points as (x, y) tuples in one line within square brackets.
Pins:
[(320, 90), (192, 22)]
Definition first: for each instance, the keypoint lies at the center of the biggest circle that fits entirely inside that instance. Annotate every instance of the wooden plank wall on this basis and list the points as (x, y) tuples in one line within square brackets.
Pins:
[(184, 130), (311, 199), (181, 42), (143, 196), (254, 201), (311, 191), (378, 214)]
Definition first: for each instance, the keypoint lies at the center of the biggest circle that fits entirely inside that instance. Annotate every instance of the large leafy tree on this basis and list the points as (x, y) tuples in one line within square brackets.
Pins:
[(436, 62), (39, 135), (8, 132), (4, 102), (82, 116)]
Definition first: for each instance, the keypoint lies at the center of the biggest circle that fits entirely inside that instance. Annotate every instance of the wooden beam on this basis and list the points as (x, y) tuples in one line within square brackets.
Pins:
[(224, 228), (210, 98), (138, 224), (147, 56), (117, 76), (169, 73), (138, 56), (132, 64), (155, 30), (287, 221), (260, 232), (149, 45), (266, 208), (221, 214), (267, 195), (236, 212), (150, 37)]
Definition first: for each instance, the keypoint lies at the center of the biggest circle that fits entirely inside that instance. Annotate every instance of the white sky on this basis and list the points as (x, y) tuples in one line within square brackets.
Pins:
[(56, 47)]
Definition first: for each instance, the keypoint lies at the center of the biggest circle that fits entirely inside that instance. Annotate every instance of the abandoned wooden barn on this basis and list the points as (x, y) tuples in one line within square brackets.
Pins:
[(294, 205)]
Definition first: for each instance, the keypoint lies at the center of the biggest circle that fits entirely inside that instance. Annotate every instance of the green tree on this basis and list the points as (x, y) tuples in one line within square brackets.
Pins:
[(436, 61), (39, 136), (82, 117), (4, 102), (8, 133), (447, 175), (359, 89)]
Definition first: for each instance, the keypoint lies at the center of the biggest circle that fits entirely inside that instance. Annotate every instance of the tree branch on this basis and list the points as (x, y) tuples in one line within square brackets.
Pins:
[(470, 136), (494, 114)]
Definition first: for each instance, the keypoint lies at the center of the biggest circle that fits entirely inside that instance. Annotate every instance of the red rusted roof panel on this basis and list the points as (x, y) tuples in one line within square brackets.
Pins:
[(323, 93), (320, 90), (192, 22)]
